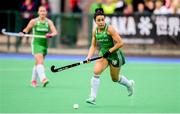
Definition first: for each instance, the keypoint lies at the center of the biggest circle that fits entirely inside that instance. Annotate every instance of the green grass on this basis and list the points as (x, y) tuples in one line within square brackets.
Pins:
[(157, 89)]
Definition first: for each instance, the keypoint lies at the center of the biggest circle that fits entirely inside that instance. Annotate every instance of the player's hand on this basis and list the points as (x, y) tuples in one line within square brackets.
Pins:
[(88, 59), (21, 34), (48, 35), (107, 54)]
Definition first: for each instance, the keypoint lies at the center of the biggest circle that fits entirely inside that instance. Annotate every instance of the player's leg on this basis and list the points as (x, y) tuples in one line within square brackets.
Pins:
[(99, 67), (34, 77), (115, 71), (39, 50), (40, 68)]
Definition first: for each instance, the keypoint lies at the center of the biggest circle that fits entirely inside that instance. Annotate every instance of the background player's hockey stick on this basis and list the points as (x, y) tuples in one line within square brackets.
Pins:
[(53, 69), (19, 35)]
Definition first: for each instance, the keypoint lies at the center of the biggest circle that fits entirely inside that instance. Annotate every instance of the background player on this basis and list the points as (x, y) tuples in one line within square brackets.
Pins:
[(40, 26), (109, 43)]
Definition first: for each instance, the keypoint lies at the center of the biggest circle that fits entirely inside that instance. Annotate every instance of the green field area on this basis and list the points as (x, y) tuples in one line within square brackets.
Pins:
[(157, 89)]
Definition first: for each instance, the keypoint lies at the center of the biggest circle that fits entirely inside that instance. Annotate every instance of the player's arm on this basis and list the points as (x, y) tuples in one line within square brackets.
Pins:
[(116, 37), (29, 26), (52, 29), (92, 47)]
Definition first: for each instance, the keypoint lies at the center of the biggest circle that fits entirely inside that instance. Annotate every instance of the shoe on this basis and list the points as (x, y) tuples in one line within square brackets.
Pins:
[(91, 100), (131, 88), (45, 82), (34, 83)]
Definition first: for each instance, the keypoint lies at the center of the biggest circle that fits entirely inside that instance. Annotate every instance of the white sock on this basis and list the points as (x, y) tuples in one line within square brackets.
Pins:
[(41, 71), (124, 81), (95, 81), (34, 74)]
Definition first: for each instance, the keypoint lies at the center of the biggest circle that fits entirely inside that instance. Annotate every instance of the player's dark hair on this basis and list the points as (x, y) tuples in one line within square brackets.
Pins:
[(98, 11)]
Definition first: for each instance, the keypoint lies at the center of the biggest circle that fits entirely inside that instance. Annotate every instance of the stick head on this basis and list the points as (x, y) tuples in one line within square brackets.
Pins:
[(53, 69)]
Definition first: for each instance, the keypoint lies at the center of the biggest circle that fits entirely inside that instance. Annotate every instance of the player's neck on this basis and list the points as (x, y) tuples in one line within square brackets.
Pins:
[(101, 29), (42, 19)]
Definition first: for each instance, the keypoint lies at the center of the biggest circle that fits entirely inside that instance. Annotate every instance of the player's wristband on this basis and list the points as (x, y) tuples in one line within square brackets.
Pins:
[(107, 54)]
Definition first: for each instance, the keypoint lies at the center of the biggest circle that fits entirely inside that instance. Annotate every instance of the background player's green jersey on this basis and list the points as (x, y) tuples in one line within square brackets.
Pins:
[(105, 42), (39, 45)]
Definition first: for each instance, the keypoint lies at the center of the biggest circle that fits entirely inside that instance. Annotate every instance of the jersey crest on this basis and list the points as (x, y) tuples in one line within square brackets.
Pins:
[(114, 62)]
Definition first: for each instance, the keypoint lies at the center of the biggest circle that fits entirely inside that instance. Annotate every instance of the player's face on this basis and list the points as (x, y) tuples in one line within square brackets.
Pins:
[(42, 12), (100, 21)]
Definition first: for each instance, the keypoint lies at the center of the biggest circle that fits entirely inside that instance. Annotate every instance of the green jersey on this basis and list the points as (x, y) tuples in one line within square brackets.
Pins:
[(39, 45), (41, 28), (105, 42)]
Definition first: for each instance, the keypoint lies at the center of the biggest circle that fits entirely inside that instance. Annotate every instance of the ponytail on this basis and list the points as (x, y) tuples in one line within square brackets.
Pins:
[(98, 11)]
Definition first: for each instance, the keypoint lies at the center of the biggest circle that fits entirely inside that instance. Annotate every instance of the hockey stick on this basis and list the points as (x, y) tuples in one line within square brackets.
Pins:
[(19, 35), (53, 69)]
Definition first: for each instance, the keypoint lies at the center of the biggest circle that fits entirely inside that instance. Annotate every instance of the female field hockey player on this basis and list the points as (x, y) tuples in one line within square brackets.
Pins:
[(40, 26), (109, 43)]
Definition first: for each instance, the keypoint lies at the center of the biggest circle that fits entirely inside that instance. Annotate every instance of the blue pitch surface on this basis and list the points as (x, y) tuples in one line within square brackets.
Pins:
[(82, 57)]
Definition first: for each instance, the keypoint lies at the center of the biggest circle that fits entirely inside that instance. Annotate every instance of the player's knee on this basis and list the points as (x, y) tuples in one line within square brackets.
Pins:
[(39, 62), (97, 72), (114, 79)]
